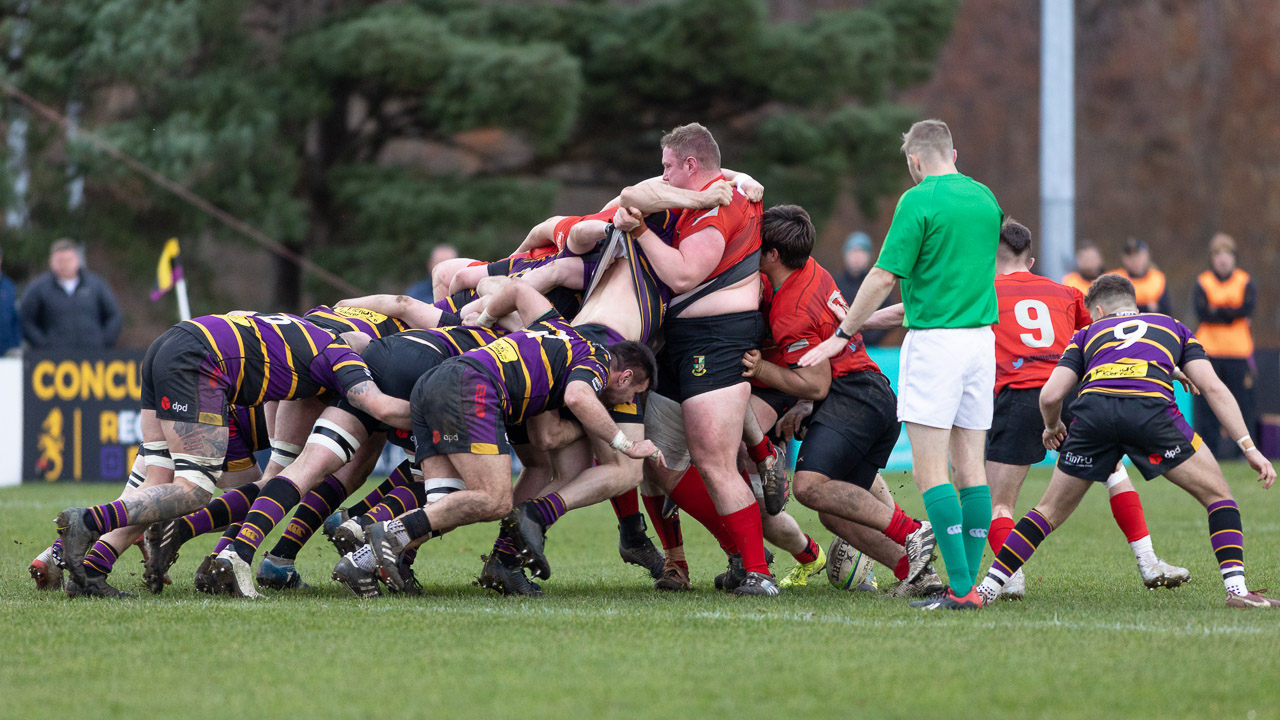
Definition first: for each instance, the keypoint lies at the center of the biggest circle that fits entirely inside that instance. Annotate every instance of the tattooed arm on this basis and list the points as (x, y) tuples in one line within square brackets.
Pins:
[(390, 410)]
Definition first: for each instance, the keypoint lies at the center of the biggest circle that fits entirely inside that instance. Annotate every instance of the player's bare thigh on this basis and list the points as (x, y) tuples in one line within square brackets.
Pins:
[(715, 418), (1201, 476), (1006, 482)]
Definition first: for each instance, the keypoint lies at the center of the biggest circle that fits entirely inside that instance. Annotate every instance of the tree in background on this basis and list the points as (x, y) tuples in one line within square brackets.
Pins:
[(357, 132)]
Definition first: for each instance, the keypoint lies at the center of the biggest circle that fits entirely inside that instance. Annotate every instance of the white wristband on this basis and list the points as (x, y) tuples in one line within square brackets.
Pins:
[(486, 320), (1245, 443), (620, 442)]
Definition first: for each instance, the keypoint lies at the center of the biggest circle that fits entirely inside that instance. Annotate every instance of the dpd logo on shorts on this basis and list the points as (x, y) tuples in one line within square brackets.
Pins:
[(699, 365), (164, 403)]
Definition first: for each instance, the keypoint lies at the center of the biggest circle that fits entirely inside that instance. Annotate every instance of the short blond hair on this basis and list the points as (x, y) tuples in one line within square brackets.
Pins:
[(1222, 242), (928, 137), (695, 141)]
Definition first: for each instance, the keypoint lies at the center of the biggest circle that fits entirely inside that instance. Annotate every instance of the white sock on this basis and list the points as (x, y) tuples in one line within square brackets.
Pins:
[(1143, 551), (396, 529), (991, 584), (363, 558), (1235, 582)]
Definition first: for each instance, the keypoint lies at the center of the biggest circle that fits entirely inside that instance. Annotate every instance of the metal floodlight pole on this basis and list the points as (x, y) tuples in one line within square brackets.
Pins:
[(1057, 137)]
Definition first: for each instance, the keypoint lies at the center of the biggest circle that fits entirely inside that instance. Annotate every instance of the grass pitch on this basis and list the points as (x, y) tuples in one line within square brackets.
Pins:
[(1088, 642)]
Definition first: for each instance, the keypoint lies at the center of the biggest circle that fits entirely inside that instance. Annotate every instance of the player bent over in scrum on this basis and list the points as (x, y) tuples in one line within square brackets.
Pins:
[(1038, 317), (460, 410), (853, 431), (190, 377), (1125, 361)]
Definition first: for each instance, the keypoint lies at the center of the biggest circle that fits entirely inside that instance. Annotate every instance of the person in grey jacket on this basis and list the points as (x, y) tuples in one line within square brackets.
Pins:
[(10, 324), (69, 307)]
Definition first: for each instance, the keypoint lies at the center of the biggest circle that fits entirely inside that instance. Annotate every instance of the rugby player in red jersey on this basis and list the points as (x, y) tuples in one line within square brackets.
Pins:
[(1037, 319), (852, 432), (713, 267)]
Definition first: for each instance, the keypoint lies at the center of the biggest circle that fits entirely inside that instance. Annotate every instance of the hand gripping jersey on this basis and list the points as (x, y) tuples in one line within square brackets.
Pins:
[(1037, 319), (801, 314), (258, 358), (349, 319), (652, 295), (739, 224), (531, 368), (1131, 354)]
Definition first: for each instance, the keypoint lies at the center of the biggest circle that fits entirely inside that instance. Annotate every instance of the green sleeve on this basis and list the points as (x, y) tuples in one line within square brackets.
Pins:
[(906, 234)]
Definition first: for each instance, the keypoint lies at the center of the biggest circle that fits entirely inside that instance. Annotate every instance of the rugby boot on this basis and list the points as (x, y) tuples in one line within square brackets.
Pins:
[(77, 538), (387, 552), (332, 522), (927, 585), (349, 536), (204, 580), (756, 584), (361, 582), (675, 578), (279, 573), (950, 601), (1254, 599), (636, 548), (233, 576), (97, 587), (774, 481), (506, 578), (1016, 587), (919, 547), (733, 576), (1162, 574), (530, 537), (160, 545), (801, 573), (407, 576), (45, 571)]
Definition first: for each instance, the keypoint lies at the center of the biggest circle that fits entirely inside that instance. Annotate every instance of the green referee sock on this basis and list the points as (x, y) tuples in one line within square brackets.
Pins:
[(975, 504), (943, 507)]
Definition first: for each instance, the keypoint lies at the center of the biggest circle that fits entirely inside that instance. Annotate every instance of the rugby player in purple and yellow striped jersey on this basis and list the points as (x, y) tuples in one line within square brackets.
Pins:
[(1125, 363), (191, 376), (461, 407)]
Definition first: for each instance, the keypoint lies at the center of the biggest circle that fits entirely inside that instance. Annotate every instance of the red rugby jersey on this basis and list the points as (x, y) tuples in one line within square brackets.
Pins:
[(561, 233), (738, 222), (801, 315), (1037, 319)]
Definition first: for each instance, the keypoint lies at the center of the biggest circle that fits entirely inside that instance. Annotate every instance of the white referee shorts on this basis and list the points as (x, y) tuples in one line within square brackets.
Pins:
[(947, 378)]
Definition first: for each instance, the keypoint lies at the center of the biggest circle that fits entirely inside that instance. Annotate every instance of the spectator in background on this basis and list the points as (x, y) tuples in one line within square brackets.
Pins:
[(857, 262), (69, 307), (1088, 267), (1148, 282), (1225, 299), (422, 289), (10, 323)]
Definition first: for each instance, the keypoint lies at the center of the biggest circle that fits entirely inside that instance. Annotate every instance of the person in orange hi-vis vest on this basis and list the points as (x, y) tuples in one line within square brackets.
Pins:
[(1088, 267), (1225, 299), (1148, 282)]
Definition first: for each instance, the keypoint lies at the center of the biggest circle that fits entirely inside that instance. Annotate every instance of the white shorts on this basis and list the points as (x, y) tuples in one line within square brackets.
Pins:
[(664, 425), (947, 378)]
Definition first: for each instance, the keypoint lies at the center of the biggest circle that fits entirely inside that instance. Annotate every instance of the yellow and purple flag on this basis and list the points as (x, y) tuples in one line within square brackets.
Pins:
[(170, 270)]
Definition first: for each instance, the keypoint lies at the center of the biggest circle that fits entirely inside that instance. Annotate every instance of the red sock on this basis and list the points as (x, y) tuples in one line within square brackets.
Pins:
[(692, 497), (668, 529), (809, 554), (1000, 529), (760, 451), (748, 533), (901, 526), (1127, 508), (900, 570), (626, 504)]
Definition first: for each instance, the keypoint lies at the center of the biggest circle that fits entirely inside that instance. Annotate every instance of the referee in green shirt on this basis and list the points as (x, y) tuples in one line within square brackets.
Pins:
[(942, 246)]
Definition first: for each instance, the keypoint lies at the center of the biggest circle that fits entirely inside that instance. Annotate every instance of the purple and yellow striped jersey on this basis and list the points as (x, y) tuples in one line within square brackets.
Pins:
[(247, 433), (451, 341), (350, 319), (531, 368), (1131, 353), (276, 357)]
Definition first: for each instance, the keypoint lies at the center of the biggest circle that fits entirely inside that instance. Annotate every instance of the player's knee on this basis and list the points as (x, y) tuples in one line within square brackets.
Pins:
[(284, 453), (498, 507), (335, 439), (199, 474)]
